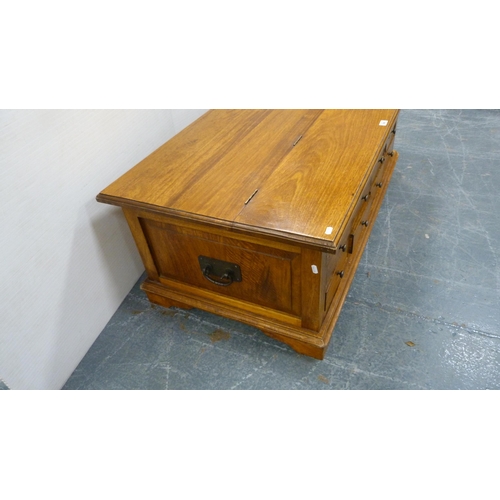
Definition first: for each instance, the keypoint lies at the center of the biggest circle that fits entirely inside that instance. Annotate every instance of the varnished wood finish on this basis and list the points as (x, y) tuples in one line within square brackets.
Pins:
[(267, 272), (290, 196), (317, 185)]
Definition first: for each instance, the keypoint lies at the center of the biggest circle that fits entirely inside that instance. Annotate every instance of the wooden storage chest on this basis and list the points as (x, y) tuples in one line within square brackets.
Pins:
[(261, 215)]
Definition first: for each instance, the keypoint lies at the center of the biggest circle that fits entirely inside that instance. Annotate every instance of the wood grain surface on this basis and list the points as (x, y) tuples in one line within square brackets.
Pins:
[(286, 198), (289, 173)]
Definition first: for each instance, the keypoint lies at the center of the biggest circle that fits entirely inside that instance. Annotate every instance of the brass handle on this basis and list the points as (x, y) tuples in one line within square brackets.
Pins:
[(226, 279), (219, 272)]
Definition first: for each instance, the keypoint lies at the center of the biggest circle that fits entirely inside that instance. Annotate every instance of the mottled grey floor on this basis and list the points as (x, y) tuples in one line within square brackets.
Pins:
[(422, 313)]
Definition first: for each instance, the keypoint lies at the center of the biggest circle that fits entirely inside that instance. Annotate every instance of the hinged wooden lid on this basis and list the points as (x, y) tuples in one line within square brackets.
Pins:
[(295, 174)]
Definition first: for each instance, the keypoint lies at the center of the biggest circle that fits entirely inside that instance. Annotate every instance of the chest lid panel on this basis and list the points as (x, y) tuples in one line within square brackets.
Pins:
[(289, 173)]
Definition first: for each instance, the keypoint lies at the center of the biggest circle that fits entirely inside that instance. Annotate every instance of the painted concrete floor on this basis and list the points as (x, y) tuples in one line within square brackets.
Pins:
[(423, 311)]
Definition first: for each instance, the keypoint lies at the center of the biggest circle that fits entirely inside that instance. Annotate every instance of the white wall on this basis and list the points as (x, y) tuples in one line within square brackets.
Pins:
[(66, 261)]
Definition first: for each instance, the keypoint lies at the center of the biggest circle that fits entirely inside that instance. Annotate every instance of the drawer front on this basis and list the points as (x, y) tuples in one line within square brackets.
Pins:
[(263, 275), (354, 236), (336, 275), (365, 199), (390, 141), (357, 230), (362, 217)]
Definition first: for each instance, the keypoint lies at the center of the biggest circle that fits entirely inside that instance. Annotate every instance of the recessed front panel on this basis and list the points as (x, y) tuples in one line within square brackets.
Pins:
[(239, 269)]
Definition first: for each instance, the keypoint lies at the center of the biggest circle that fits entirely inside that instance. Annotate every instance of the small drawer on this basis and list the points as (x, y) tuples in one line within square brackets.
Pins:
[(389, 143), (333, 259), (390, 140), (378, 182), (363, 203), (361, 221), (339, 271), (370, 190), (359, 226), (334, 268)]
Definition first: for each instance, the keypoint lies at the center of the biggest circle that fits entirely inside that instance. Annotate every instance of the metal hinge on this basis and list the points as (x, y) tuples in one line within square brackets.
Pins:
[(253, 194)]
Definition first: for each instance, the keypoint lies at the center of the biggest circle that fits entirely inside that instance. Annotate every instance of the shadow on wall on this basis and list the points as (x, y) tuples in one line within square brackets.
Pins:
[(101, 237)]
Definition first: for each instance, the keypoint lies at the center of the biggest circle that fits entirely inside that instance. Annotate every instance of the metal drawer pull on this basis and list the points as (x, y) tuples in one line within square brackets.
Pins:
[(365, 197), (219, 272), (379, 184), (343, 247), (226, 279), (365, 223), (341, 274)]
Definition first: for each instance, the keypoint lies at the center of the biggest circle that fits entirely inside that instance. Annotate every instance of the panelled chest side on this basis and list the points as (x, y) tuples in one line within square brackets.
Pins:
[(261, 215)]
